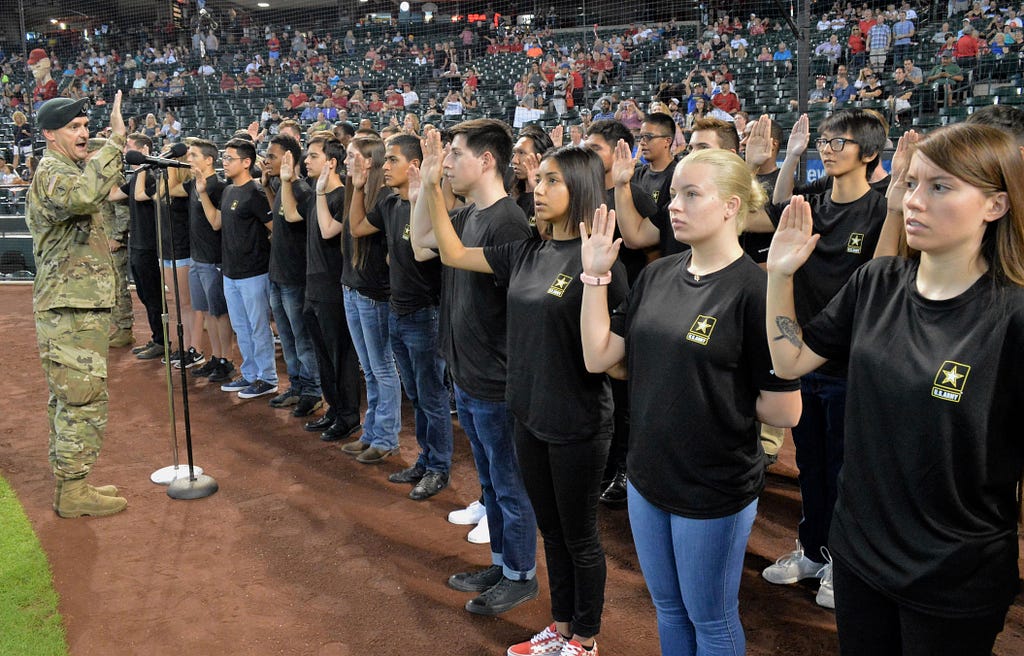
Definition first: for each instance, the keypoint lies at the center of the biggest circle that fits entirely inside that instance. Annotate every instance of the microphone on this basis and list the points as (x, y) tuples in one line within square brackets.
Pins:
[(177, 150)]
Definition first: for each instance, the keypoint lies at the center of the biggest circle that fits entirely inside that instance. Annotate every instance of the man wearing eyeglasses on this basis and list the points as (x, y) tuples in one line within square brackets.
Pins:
[(849, 218)]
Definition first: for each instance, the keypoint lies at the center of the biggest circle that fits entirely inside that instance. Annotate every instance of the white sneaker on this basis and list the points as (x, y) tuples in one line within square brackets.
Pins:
[(471, 514), (481, 534), (548, 642), (792, 567), (826, 597)]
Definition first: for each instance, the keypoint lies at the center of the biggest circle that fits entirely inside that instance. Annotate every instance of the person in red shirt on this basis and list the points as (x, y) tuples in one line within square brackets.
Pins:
[(857, 48), (254, 81), (471, 81), (297, 97), (549, 68), (227, 83), (273, 47), (725, 99), (966, 50), (376, 104), (394, 99), (867, 22)]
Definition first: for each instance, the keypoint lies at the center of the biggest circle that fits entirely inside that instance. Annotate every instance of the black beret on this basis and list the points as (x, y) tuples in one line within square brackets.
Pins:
[(58, 112)]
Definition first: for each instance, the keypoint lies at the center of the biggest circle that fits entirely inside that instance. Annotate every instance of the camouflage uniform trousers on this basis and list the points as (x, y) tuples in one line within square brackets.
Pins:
[(122, 315), (73, 347)]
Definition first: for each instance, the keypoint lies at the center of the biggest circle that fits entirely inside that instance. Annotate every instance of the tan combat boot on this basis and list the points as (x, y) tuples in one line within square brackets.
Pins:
[(121, 337), (77, 498), (103, 490)]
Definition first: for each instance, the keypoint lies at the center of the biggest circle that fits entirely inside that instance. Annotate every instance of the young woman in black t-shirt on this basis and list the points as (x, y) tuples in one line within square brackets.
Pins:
[(692, 338), (563, 413), (924, 535)]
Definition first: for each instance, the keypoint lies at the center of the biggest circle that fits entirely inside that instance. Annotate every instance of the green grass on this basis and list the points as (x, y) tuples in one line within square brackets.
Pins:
[(29, 622)]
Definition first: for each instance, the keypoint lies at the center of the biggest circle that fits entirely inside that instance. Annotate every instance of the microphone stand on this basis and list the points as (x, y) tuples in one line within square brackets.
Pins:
[(195, 485)]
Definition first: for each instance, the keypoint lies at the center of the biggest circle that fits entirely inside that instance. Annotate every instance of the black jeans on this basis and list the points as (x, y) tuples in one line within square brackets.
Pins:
[(336, 357), (146, 273), (872, 624), (564, 483)]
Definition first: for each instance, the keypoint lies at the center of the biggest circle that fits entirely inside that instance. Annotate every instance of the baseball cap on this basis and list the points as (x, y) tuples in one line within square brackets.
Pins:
[(58, 112), (36, 55)]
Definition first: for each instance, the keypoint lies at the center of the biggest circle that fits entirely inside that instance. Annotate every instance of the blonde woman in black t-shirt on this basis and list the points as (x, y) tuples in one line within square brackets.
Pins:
[(692, 339), (563, 414), (924, 535)]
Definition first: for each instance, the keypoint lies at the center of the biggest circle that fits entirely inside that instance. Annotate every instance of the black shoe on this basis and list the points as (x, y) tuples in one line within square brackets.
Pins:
[(478, 581), (411, 475), (140, 349), (150, 352), (175, 357), (308, 404), (321, 424), (190, 358), (503, 597), (614, 496), (207, 369), (770, 459), (339, 430), (224, 371), (431, 483)]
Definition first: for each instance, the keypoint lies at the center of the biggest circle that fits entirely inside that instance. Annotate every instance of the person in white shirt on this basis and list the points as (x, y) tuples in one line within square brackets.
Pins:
[(409, 97)]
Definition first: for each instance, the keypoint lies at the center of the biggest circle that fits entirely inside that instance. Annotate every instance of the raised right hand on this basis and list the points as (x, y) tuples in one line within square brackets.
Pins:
[(325, 175), (624, 165), (599, 250), (799, 138), (433, 158), (414, 183), (793, 242)]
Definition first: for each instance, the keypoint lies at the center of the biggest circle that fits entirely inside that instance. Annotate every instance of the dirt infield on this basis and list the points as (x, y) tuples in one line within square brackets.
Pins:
[(304, 551)]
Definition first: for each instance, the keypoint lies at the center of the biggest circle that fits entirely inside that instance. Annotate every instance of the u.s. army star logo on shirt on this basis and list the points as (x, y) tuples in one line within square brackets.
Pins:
[(950, 380), (856, 243), (700, 331), (560, 284), (234, 205), (405, 233)]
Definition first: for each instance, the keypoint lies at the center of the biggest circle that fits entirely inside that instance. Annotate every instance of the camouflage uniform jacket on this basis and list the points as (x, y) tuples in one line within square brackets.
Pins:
[(73, 263)]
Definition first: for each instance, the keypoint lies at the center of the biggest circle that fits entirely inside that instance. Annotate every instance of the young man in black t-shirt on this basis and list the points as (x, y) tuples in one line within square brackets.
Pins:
[(142, 246), (245, 222), (206, 282), (413, 318), (325, 305), (288, 274), (849, 218), (473, 343)]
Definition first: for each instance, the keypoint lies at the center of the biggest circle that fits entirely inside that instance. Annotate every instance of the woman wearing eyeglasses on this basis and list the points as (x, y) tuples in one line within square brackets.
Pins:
[(849, 218)]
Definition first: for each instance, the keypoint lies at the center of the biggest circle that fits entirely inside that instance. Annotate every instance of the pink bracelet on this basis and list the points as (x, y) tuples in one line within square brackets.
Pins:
[(596, 281)]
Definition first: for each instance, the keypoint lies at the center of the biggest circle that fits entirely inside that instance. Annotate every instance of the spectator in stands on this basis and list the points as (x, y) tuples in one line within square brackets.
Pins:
[(819, 94), (842, 91), (879, 41), (532, 143), (857, 48), (783, 59), (831, 50), (941, 34), (899, 97), (947, 77), (912, 72), (630, 115), (298, 98), (171, 128), (903, 32), (967, 50), (139, 85), (725, 100), (22, 136), (356, 103), (872, 89)]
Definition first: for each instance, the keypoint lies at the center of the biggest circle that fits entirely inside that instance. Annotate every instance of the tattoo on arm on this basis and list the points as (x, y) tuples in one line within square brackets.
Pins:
[(790, 331)]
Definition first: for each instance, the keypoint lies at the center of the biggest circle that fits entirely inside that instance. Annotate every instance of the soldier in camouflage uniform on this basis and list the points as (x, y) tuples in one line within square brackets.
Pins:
[(74, 291), (115, 225)]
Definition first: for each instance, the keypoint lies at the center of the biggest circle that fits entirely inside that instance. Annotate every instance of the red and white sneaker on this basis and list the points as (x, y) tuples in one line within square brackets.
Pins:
[(548, 642), (573, 648)]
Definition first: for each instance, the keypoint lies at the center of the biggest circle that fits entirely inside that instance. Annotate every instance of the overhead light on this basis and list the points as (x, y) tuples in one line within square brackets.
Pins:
[(63, 26), (262, 5), (53, 21), (404, 6)]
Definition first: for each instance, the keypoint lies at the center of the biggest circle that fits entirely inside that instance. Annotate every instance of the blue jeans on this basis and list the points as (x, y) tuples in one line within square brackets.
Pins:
[(414, 342), (248, 300), (368, 324), (510, 518), (693, 568), (287, 302), (818, 439)]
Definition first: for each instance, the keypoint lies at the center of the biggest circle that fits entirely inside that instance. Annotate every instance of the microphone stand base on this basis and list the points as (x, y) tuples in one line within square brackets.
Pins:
[(171, 473), (186, 488)]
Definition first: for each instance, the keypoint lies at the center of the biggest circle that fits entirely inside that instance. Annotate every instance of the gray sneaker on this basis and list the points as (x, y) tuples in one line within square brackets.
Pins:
[(285, 399), (151, 352), (259, 388)]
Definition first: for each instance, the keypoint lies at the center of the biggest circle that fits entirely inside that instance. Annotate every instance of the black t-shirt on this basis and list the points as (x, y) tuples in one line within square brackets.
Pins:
[(141, 215), (205, 244), (698, 357), (472, 329), (633, 259), (824, 184), (549, 389), (756, 244), (175, 226), (244, 211), (933, 450), (414, 285), (364, 266), (849, 233), (288, 245), (656, 185), (323, 256)]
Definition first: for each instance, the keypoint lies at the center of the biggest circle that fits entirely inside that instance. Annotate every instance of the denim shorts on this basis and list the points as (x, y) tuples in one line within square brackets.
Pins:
[(185, 262), (206, 284)]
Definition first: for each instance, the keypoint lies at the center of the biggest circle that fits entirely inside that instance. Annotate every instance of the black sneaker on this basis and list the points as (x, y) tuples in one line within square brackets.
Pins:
[(478, 581), (175, 357), (258, 388), (191, 359), (207, 369), (285, 399), (224, 371), (503, 597), (307, 405), (411, 475), (152, 351), (431, 483)]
